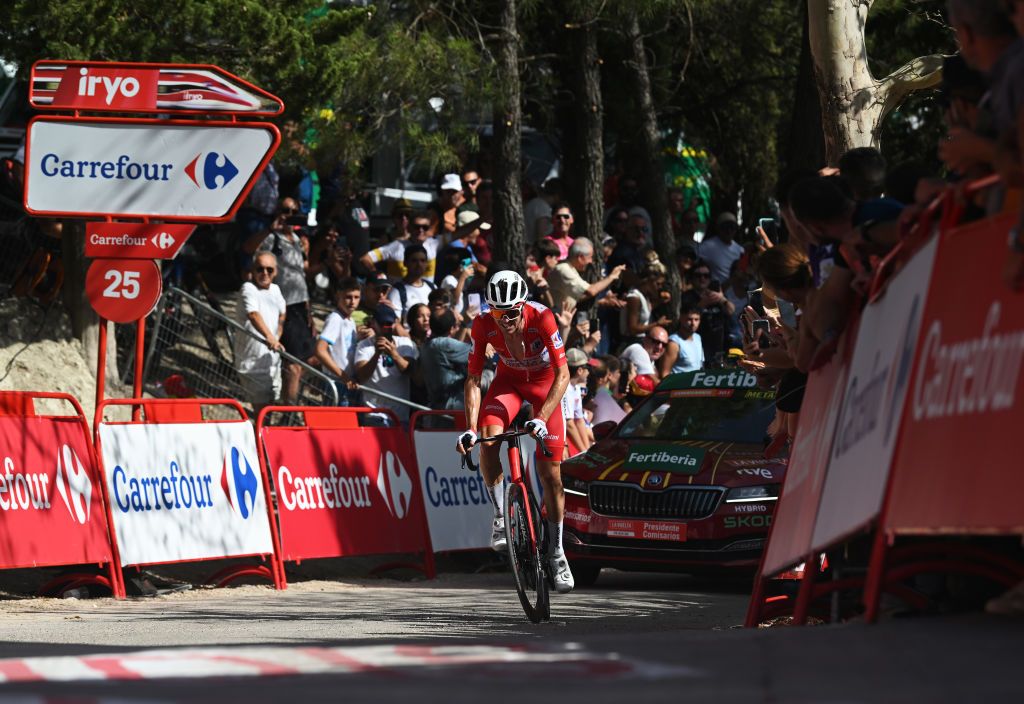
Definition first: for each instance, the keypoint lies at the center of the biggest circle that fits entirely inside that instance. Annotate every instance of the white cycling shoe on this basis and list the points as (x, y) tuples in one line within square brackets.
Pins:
[(561, 574), (499, 543)]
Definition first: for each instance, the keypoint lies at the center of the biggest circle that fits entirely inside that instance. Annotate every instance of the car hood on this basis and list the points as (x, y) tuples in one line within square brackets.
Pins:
[(655, 464)]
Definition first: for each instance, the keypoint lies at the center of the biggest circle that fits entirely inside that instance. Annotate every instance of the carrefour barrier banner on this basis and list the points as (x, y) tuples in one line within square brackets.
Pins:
[(876, 388), (51, 505), (959, 466), (459, 509), (344, 492), (793, 525), (184, 491)]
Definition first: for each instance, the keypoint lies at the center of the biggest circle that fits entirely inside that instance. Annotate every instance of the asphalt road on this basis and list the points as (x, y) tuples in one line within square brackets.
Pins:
[(463, 638)]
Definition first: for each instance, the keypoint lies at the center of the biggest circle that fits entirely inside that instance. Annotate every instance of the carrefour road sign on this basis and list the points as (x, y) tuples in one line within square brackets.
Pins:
[(167, 169), (135, 240), (139, 87)]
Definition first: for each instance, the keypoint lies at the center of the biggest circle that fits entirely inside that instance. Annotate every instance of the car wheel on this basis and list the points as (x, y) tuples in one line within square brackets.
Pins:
[(585, 575)]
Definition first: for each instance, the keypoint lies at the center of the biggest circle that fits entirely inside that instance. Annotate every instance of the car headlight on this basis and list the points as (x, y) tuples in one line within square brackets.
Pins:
[(768, 492), (573, 485)]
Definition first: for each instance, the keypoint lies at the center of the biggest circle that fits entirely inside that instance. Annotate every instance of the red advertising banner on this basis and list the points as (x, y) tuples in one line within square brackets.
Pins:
[(135, 240), (793, 524), (51, 505), (344, 492), (958, 465)]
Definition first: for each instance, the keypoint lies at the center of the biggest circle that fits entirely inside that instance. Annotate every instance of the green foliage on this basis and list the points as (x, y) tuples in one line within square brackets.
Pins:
[(351, 77)]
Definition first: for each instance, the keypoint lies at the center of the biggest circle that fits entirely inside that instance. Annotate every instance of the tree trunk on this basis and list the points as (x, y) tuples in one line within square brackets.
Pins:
[(805, 148), (588, 165), (853, 102), (510, 245), (651, 178)]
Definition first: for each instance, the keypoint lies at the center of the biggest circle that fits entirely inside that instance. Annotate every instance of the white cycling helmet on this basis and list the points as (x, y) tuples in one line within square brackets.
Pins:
[(506, 289)]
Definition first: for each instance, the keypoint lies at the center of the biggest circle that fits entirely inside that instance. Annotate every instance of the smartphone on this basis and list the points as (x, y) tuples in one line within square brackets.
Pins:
[(466, 262), (760, 327), (473, 302), (787, 313), (715, 285), (300, 220), (388, 331)]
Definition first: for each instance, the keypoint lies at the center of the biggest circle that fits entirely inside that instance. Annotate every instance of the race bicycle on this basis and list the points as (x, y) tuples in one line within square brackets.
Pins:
[(525, 531)]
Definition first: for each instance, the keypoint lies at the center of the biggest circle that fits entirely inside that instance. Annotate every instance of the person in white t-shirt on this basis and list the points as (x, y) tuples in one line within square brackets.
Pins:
[(721, 251), (336, 346), (685, 351), (572, 401), (412, 289), (383, 362), (262, 313), (642, 355)]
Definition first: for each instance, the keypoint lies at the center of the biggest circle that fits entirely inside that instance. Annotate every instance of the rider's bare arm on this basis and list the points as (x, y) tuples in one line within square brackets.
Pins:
[(472, 389), (555, 393)]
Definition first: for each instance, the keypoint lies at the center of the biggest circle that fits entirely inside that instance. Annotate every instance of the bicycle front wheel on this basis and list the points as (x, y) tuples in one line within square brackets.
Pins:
[(524, 552)]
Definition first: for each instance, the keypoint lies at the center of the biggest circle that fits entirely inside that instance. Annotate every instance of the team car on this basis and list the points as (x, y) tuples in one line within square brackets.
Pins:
[(681, 484)]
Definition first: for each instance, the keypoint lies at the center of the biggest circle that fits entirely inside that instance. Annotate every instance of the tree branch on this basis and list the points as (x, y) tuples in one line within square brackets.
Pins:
[(917, 74)]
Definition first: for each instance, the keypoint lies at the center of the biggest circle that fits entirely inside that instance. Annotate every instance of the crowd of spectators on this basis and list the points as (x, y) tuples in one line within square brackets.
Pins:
[(774, 302)]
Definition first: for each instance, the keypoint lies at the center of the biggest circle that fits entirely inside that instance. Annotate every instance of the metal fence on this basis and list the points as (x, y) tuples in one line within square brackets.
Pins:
[(190, 352)]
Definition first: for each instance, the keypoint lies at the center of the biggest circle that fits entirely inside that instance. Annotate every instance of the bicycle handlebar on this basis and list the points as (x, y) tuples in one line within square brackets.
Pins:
[(467, 459)]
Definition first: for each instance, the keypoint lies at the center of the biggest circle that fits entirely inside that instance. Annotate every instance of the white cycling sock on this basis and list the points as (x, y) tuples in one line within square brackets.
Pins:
[(497, 492), (555, 539)]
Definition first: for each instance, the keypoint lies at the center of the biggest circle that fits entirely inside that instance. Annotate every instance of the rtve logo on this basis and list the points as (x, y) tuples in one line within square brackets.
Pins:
[(205, 174), (240, 484), (394, 485)]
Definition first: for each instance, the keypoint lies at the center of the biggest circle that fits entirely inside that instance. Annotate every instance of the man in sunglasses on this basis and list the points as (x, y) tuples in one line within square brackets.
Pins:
[(642, 355), (531, 368), (262, 313), (393, 253)]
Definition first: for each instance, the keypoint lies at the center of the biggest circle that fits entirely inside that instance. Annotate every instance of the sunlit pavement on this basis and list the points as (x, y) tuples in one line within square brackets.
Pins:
[(635, 637)]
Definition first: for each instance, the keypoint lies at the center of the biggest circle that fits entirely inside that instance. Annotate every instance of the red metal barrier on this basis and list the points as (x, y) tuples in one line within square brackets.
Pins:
[(52, 503), (950, 400), (344, 489), (181, 488)]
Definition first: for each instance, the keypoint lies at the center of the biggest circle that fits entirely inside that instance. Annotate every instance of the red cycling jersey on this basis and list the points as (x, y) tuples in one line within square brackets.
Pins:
[(543, 349), (521, 379)]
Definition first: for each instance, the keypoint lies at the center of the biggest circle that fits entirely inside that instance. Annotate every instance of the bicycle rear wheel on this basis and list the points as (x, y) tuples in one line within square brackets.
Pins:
[(524, 553)]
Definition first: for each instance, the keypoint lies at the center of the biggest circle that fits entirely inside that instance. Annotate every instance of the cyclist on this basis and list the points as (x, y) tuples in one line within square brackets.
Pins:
[(532, 368)]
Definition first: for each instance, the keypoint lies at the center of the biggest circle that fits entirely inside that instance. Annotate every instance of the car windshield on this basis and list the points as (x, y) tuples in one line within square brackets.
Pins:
[(720, 415)]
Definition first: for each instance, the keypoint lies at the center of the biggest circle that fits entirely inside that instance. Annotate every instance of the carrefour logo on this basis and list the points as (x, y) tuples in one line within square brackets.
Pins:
[(169, 490), (394, 485), (205, 172), (73, 484), (240, 483)]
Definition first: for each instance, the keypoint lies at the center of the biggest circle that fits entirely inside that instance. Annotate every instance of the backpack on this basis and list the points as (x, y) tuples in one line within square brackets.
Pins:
[(403, 295)]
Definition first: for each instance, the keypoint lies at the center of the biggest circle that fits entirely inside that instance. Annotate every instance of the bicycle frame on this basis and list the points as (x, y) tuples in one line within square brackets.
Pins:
[(515, 465)]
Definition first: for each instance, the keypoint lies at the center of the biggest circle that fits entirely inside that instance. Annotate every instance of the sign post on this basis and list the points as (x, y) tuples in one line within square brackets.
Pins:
[(178, 171)]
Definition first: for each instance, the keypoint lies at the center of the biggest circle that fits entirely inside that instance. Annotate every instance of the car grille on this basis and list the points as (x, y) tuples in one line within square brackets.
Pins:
[(686, 502)]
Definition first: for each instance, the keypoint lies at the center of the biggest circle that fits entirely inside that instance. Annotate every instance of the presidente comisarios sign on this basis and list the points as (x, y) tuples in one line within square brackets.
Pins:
[(146, 87), (131, 167)]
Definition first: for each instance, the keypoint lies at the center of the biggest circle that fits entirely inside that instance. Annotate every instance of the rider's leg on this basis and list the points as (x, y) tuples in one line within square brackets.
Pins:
[(499, 407), (490, 468), (550, 474)]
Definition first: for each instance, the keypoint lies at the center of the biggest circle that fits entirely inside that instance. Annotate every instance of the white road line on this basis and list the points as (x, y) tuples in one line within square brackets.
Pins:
[(259, 661)]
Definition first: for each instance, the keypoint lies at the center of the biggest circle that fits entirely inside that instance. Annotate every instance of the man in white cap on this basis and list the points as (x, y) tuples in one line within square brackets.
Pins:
[(722, 251), (449, 200)]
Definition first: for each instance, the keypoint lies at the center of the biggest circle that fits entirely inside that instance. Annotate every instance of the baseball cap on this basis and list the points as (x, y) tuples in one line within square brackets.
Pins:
[(576, 357), (726, 217), (468, 217), (608, 241), (402, 205), (451, 182), (385, 315)]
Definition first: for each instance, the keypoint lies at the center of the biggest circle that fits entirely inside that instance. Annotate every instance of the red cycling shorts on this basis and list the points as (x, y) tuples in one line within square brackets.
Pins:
[(506, 396)]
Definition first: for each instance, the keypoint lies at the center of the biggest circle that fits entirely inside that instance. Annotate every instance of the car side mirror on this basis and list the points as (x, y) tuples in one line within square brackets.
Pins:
[(604, 429)]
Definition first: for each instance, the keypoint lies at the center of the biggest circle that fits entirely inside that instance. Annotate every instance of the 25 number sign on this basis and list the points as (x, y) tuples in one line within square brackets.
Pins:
[(123, 290)]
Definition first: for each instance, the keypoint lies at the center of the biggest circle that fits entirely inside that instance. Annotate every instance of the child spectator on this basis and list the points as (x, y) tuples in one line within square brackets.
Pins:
[(336, 345)]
